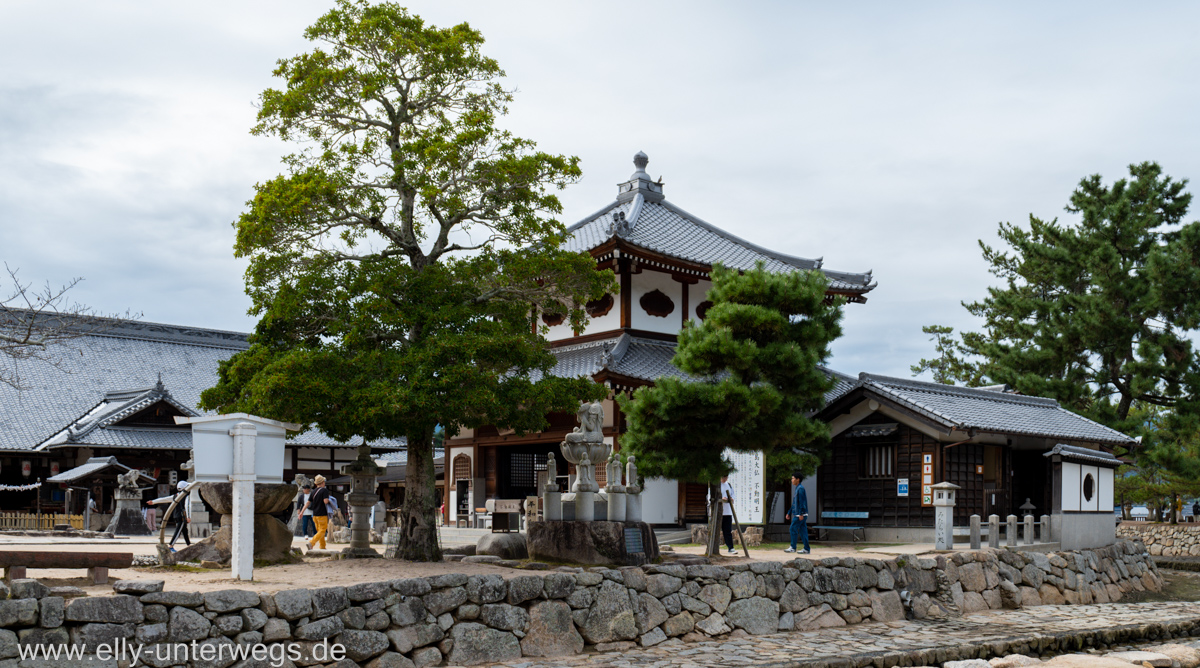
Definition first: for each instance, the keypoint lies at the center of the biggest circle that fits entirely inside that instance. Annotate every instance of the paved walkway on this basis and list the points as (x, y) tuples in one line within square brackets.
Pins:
[(1040, 629)]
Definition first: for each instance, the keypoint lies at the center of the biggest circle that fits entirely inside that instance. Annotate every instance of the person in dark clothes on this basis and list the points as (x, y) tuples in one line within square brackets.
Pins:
[(179, 515), (727, 513), (798, 513)]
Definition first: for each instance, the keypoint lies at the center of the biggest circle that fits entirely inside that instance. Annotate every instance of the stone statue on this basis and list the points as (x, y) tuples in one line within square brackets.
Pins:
[(591, 424), (128, 480)]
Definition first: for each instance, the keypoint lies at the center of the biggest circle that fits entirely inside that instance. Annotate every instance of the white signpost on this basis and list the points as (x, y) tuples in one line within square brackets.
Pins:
[(240, 449), (749, 484)]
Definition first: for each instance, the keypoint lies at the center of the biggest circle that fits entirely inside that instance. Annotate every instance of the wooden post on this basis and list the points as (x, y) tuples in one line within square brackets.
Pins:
[(737, 525)]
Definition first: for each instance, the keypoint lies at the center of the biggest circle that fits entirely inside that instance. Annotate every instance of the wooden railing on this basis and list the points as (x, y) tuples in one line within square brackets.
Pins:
[(32, 521)]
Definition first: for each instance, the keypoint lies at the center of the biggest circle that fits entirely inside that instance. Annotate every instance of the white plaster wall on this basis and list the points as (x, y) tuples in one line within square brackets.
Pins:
[(649, 281), (1106, 489), (1092, 504), (605, 323), (1071, 482), (660, 501), (697, 294)]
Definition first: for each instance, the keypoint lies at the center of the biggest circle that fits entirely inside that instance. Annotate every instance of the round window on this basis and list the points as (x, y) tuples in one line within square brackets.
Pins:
[(1089, 487)]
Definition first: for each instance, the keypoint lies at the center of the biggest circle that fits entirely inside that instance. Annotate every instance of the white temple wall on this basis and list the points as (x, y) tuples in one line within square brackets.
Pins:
[(646, 283)]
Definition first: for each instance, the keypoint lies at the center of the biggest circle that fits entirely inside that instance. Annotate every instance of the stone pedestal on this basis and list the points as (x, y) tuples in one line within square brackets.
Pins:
[(633, 492), (127, 518), (552, 506), (592, 543), (272, 538), (585, 506), (975, 532), (363, 472)]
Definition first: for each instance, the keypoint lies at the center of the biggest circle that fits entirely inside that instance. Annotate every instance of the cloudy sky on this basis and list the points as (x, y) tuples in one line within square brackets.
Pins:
[(884, 136)]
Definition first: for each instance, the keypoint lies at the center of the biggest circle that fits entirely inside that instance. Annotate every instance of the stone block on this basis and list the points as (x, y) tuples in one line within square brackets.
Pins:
[(756, 615), (503, 545), (551, 631), (137, 587), (611, 616), (329, 601), (476, 644), (187, 599), (186, 625), (229, 600), (363, 645), (118, 609), (525, 588)]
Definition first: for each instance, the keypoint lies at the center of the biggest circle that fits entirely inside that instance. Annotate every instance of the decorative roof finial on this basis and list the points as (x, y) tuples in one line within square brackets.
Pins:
[(159, 385), (640, 160)]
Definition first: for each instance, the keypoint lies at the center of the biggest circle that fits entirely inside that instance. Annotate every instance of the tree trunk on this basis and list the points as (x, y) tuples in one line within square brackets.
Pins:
[(1174, 508), (418, 521), (714, 521)]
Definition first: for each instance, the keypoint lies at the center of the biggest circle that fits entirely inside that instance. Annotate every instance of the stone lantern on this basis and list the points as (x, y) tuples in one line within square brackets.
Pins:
[(943, 521), (362, 497)]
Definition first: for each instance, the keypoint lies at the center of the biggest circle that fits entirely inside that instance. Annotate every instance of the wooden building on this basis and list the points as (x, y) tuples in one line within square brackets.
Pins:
[(85, 407), (663, 257), (890, 434)]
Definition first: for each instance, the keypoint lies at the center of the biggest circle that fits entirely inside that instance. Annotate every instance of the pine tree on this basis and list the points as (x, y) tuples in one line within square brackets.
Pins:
[(1097, 314), (755, 361)]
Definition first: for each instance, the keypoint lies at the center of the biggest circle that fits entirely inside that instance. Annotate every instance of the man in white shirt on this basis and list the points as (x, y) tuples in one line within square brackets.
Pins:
[(307, 526), (727, 513)]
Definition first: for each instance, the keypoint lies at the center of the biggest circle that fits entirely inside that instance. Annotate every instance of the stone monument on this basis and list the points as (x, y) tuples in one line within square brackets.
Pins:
[(239, 462), (363, 472), (127, 516), (943, 519), (570, 532)]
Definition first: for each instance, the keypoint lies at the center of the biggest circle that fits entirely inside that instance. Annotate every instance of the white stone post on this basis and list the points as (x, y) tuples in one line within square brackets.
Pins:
[(585, 492), (1045, 537), (614, 489), (993, 531), (551, 497), (633, 493), (975, 531), (943, 521), (1029, 529), (1010, 534), (242, 482)]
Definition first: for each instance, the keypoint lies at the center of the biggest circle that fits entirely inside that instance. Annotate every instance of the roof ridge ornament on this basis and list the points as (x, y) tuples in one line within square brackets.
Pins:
[(640, 183)]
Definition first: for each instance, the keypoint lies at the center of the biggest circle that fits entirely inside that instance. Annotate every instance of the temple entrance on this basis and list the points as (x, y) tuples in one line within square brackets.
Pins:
[(1030, 480)]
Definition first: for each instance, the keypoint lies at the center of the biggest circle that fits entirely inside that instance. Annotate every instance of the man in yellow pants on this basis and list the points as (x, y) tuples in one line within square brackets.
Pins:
[(319, 501)]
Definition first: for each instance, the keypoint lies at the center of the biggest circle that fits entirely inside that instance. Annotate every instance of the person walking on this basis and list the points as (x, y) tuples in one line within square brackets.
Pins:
[(798, 513), (179, 515), (727, 513), (319, 502), (307, 527)]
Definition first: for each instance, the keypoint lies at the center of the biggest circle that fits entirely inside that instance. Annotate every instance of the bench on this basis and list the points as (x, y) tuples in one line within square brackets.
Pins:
[(16, 561), (841, 515)]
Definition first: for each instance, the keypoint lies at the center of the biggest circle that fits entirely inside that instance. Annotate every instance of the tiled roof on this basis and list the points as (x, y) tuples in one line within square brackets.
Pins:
[(966, 408), (626, 355), (1074, 453), (92, 467), (842, 384), (648, 221), (82, 391)]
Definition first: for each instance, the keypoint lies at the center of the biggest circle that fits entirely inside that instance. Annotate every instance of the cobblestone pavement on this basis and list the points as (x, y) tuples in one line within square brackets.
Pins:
[(900, 643)]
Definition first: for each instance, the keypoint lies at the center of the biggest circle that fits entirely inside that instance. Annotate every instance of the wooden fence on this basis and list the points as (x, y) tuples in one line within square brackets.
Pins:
[(33, 521)]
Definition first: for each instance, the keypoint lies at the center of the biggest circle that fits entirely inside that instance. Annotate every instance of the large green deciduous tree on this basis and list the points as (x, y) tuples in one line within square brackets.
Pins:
[(755, 358), (396, 263), (1097, 313)]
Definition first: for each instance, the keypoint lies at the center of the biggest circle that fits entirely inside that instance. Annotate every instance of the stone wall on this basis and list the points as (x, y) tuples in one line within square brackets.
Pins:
[(469, 620), (1169, 540)]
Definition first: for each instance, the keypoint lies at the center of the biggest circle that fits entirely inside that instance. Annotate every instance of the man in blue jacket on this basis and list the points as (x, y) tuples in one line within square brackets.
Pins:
[(798, 513)]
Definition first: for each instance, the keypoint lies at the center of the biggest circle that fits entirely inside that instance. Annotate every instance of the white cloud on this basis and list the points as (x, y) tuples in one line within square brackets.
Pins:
[(880, 136)]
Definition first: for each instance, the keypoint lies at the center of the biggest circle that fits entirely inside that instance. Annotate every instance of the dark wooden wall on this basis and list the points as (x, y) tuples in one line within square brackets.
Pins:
[(841, 488)]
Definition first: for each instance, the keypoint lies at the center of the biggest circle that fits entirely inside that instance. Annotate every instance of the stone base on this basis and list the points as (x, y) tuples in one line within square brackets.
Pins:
[(128, 522), (272, 543), (589, 543), (503, 545), (360, 553)]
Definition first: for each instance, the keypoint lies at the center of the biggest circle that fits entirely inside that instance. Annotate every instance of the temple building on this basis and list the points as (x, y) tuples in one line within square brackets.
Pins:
[(663, 257), (894, 438), (116, 393)]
